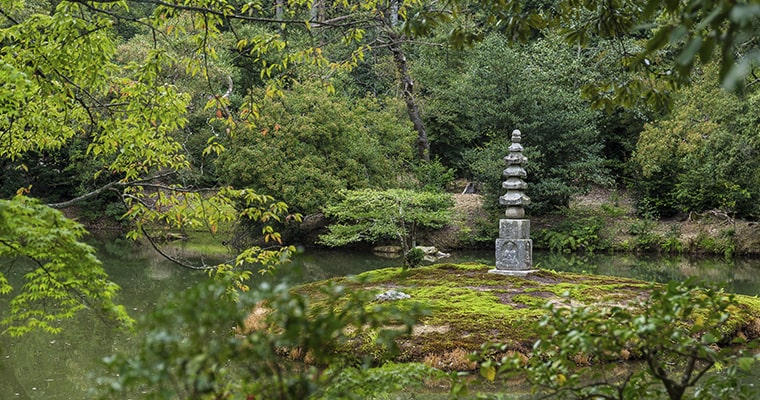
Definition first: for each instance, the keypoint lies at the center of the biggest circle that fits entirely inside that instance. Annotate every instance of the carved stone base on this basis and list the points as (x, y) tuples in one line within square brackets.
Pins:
[(514, 254)]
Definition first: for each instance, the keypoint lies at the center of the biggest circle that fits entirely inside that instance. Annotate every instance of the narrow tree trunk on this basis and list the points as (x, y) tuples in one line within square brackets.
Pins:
[(316, 13), (394, 13), (279, 11), (407, 88)]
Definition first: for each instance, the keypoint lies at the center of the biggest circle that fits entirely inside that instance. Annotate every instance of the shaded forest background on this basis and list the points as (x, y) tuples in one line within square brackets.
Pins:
[(301, 102)]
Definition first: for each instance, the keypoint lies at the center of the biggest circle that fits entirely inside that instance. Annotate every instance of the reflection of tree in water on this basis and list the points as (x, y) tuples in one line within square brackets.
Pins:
[(663, 270), (722, 272), (12, 387), (578, 263), (57, 366)]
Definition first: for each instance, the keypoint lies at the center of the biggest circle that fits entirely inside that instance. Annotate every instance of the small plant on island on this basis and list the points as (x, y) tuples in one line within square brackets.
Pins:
[(370, 215)]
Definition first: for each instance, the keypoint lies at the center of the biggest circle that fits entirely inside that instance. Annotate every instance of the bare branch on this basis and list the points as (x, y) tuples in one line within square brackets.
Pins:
[(109, 186), (181, 263), (86, 196)]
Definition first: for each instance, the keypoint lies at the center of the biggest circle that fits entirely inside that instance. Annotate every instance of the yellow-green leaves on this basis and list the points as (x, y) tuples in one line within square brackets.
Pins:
[(138, 139), (64, 276)]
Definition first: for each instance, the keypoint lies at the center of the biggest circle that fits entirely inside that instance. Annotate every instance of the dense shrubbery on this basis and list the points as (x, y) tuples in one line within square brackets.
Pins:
[(308, 144), (702, 156), (683, 332), (498, 88)]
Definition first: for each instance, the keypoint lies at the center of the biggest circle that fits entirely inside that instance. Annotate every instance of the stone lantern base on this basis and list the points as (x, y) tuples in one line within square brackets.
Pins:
[(514, 248)]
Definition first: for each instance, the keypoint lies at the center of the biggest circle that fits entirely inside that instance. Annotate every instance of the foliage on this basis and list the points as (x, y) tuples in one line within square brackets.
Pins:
[(110, 117), (430, 176), (646, 238), (699, 157), (282, 346), (61, 275), (414, 257), (395, 214), (386, 381), (671, 243), (574, 235), (724, 244), (309, 144), (682, 332), (500, 88), (675, 36)]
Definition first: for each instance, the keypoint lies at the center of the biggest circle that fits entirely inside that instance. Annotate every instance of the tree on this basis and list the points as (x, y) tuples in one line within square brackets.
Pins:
[(64, 86), (699, 157), (533, 88), (63, 82), (395, 214), (682, 332), (308, 145), (47, 244), (675, 37)]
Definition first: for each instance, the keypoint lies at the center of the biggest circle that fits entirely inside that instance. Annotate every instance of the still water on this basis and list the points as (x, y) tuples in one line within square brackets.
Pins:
[(60, 367)]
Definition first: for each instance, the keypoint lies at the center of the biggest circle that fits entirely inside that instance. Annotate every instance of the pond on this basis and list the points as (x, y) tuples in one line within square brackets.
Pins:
[(53, 367)]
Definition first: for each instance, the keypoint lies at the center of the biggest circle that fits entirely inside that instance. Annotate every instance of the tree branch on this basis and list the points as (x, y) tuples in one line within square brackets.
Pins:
[(109, 186), (175, 260)]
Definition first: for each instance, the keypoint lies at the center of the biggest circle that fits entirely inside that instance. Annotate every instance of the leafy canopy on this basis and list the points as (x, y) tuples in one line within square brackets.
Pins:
[(309, 144), (700, 156)]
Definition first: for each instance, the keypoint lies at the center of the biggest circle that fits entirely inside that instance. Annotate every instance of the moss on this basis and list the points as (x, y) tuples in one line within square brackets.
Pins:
[(528, 300), (382, 275), (470, 306)]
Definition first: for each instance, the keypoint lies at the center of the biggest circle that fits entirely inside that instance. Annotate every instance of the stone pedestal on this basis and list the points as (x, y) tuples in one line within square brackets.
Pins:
[(514, 248)]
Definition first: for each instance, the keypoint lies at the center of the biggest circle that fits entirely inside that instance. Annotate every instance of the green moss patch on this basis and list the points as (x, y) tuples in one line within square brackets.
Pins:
[(470, 306)]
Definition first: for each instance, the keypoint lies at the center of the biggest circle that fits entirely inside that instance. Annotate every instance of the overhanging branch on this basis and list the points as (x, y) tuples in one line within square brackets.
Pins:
[(109, 186)]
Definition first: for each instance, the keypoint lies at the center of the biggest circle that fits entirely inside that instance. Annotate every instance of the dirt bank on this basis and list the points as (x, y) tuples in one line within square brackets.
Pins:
[(604, 220)]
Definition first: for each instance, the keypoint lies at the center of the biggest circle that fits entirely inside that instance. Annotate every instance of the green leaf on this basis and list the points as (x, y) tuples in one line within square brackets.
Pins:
[(488, 372)]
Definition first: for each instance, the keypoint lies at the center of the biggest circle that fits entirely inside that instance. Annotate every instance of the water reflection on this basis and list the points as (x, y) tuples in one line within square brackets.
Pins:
[(52, 367), (737, 276)]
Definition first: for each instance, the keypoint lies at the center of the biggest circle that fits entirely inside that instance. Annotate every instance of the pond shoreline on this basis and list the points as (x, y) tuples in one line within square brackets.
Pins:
[(600, 221)]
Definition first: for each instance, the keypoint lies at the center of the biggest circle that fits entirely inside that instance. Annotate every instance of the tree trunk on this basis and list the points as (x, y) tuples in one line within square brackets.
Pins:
[(407, 88), (394, 13), (279, 10)]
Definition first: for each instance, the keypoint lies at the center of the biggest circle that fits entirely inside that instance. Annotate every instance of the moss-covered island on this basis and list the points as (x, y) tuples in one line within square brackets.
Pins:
[(470, 307)]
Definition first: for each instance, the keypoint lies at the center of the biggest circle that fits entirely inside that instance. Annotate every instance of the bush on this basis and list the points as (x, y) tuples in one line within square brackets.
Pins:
[(701, 156), (395, 214), (574, 235)]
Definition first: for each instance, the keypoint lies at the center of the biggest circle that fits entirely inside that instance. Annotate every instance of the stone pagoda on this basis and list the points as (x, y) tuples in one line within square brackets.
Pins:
[(514, 248)]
